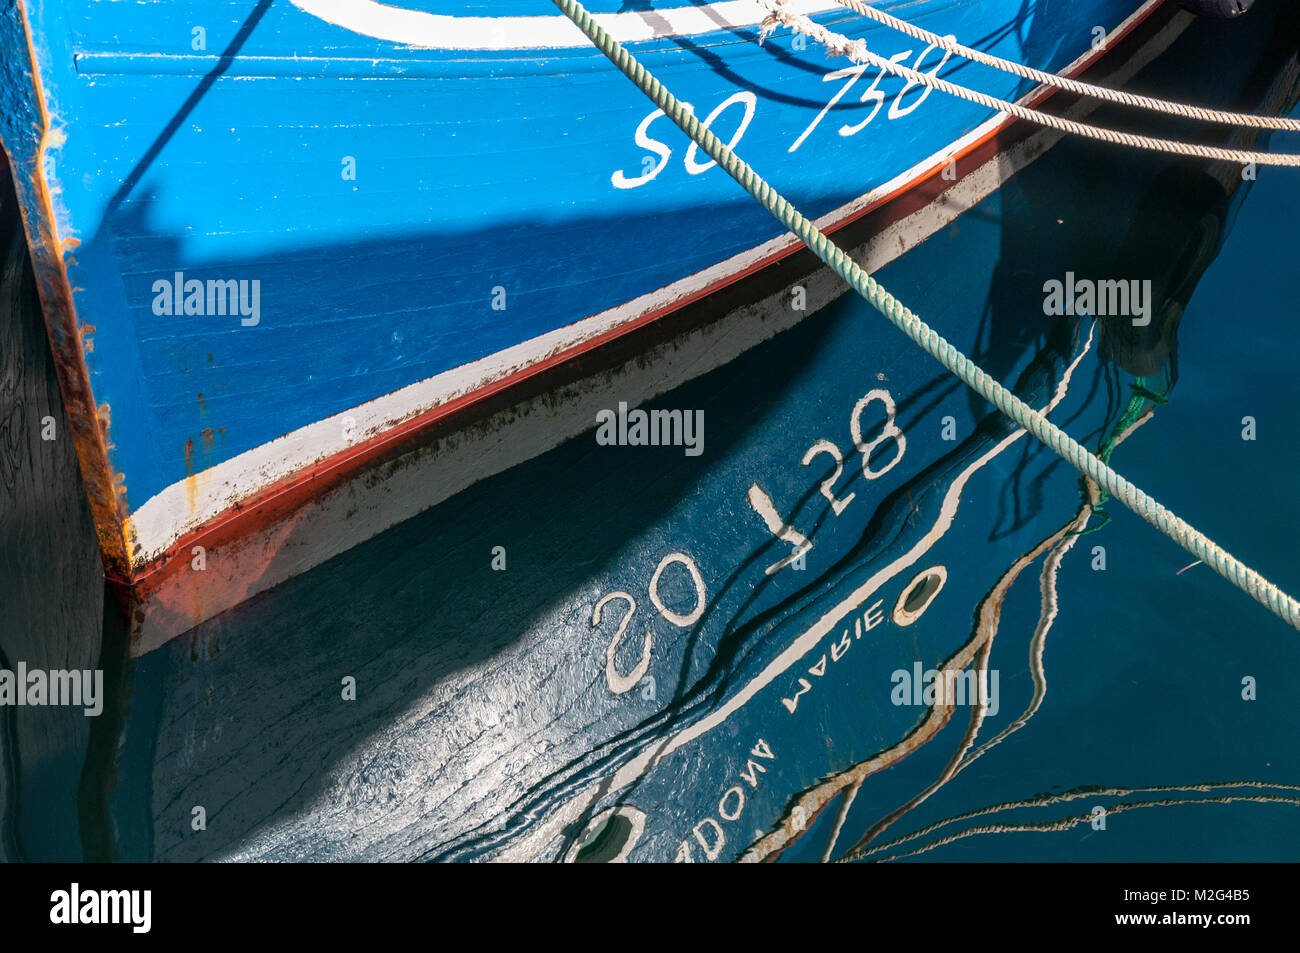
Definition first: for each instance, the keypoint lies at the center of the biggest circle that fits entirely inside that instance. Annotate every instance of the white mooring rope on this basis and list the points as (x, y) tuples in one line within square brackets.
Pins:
[(1119, 96), (839, 45)]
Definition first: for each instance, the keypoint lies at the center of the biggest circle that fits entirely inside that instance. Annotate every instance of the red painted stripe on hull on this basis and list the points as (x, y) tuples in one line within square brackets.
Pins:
[(279, 500)]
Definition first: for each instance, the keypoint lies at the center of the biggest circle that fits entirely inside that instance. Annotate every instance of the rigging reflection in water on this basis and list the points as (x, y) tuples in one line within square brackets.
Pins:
[(1072, 821)]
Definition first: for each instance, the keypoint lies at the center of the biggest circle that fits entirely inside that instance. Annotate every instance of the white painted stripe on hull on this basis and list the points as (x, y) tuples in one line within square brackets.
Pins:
[(442, 32), (188, 504), (184, 506)]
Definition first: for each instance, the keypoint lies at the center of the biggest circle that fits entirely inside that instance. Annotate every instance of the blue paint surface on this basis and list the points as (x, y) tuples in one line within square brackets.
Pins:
[(474, 172)]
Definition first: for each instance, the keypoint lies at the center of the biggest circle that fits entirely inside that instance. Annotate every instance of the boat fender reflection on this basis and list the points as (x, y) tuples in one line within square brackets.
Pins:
[(1219, 9), (918, 594)]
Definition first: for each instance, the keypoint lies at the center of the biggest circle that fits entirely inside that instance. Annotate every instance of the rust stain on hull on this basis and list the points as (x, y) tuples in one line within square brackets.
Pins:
[(88, 422), (191, 482)]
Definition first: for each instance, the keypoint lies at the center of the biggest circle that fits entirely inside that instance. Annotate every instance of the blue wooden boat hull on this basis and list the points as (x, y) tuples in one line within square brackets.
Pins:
[(273, 240), (485, 721)]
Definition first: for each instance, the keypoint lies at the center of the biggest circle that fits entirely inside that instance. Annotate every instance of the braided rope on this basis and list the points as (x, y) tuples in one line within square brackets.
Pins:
[(1078, 456), (1185, 110), (856, 50)]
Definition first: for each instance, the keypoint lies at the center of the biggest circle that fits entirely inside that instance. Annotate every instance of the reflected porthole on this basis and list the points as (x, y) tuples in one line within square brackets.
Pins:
[(918, 594), (609, 838)]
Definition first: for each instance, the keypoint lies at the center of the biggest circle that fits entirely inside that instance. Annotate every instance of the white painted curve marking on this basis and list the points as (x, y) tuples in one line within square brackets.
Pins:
[(437, 31)]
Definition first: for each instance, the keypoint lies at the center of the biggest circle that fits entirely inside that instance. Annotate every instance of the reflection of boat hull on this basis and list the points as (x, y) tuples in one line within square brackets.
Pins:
[(841, 648), (227, 431)]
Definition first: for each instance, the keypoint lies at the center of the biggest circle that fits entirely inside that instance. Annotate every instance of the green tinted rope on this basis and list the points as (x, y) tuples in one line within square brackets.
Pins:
[(930, 341), (1136, 404)]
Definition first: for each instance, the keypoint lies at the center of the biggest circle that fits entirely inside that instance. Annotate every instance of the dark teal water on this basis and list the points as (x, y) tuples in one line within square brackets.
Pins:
[(483, 710), (1145, 665)]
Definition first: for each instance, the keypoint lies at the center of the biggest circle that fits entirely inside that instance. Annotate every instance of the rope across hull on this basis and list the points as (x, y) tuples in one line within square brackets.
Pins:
[(286, 239)]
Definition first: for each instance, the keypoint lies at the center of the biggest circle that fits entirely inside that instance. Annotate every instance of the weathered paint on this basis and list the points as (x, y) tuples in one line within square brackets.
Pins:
[(26, 135), (323, 511), (171, 127)]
